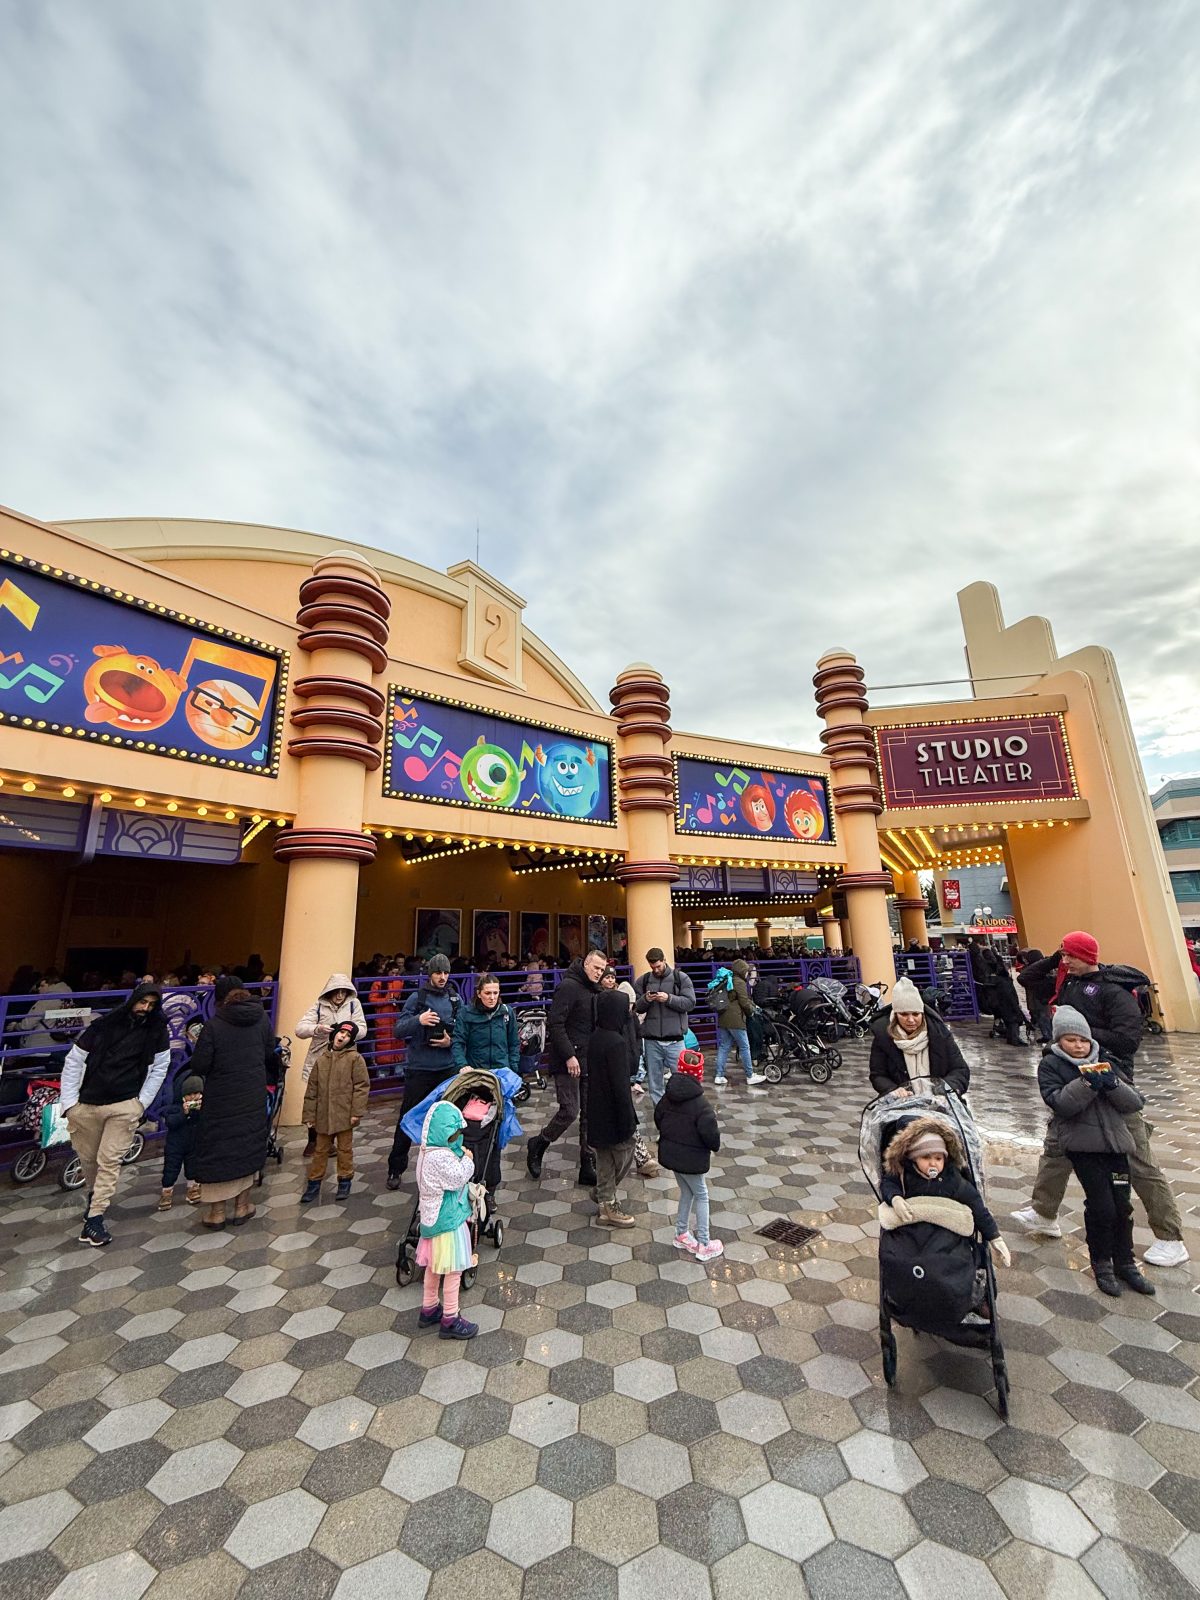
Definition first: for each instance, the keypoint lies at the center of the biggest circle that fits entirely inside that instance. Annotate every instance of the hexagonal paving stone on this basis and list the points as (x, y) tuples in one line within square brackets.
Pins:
[(700, 1522), (445, 1527), (195, 1470), (389, 1576), (34, 1524), (887, 1463), (752, 1416), (571, 1572), (553, 1348), (1043, 1516), (347, 1469), (663, 1572), (644, 1380), (956, 1516), (378, 1349), (786, 1520), (576, 1466), (275, 1528), (475, 1420), (425, 1468), (336, 1423), (544, 1418), (581, 1380), (530, 1526), (260, 1384), (845, 1572), (802, 1462), (652, 1465), (683, 1417), (191, 1528), (936, 1573)]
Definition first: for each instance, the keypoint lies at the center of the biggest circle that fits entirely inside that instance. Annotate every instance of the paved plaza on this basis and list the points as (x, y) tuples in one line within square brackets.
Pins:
[(194, 1416)]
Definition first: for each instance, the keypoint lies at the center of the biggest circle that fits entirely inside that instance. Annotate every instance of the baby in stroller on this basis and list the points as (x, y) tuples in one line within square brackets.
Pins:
[(931, 1210)]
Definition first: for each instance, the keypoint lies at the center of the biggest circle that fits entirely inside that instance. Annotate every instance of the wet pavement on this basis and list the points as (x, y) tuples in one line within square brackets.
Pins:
[(254, 1413)]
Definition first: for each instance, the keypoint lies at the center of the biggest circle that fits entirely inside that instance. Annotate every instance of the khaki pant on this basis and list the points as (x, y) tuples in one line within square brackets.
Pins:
[(101, 1135), (1151, 1188), (612, 1166), (345, 1155)]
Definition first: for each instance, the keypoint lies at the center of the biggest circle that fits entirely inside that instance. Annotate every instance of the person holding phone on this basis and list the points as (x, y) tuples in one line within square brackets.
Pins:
[(426, 1024)]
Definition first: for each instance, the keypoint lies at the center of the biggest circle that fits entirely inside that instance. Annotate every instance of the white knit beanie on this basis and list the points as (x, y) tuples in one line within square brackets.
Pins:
[(906, 996)]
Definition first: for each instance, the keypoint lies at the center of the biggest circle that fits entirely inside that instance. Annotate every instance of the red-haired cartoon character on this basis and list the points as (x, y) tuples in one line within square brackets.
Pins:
[(758, 807), (804, 813), (132, 692)]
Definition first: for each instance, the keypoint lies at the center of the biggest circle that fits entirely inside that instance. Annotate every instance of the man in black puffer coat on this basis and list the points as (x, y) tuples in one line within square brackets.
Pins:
[(569, 1026)]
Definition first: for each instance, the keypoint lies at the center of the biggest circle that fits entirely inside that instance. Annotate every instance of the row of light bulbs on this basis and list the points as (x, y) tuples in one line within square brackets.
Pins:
[(107, 796)]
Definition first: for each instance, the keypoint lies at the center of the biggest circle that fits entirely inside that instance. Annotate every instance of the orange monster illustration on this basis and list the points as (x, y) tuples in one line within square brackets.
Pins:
[(132, 692), (803, 814)]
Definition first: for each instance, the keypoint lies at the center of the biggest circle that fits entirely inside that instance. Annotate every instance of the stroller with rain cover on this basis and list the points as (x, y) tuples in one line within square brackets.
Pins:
[(922, 1268), (484, 1139)]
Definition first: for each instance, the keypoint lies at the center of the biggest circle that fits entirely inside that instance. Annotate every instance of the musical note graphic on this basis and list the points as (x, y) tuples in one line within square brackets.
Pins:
[(683, 815), (427, 741), (16, 656), (40, 695), (23, 606), (65, 664), (731, 778), (419, 770), (260, 754), (727, 818), (705, 812)]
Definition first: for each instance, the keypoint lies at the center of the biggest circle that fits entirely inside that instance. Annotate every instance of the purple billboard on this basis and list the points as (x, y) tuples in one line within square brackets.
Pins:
[(731, 802), (975, 762)]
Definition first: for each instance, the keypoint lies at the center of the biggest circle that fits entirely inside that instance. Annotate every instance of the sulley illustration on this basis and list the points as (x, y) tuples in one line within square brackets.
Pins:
[(758, 807), (490, 775), (804, 813), (568, 779), (133, 693)]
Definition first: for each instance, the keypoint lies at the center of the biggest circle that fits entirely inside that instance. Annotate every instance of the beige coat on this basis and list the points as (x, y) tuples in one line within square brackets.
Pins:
[(337, 1090)]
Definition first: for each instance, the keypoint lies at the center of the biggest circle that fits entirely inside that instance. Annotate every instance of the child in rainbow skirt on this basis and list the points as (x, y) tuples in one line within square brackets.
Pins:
[(444, 1172)]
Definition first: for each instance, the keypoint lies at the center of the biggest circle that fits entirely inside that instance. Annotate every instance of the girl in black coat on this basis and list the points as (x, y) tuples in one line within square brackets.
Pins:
[(611, 1119), (687, 1137), (233, 1055)]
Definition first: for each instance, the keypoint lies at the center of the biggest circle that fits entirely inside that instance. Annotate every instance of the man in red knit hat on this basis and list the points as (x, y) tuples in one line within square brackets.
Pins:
[(1116, 1023)]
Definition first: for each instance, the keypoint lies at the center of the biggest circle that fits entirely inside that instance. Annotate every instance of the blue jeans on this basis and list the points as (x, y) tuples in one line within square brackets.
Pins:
[(726, 1039), (693, 1191), (661, 1055)]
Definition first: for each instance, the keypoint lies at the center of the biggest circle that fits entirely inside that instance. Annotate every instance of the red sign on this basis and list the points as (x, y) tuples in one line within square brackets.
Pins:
[(975, 762), (951, 894)]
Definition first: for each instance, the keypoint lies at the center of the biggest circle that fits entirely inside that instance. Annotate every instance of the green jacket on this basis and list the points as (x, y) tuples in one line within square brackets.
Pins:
[(738, 1006), (485, 1039)]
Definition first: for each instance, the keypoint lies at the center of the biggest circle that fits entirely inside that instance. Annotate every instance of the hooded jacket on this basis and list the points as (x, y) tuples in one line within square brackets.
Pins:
[(889, 1069), (318, 1020), (337, 1090), (738, 1006), (444, 1168), (687, 1126), (611, 1119), (572, 1017), (485, 1039), (234, 1055), (1036, 977), (1113, 1014), (1089, 1110), (900, 1176), (120, 1056), (665, 1019)]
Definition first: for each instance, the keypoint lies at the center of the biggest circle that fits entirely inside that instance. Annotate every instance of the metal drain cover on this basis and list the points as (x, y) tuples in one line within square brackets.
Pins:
[(791, 1233)]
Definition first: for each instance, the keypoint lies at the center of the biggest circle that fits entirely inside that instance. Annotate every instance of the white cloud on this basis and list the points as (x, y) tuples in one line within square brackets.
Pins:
[(739, 332)]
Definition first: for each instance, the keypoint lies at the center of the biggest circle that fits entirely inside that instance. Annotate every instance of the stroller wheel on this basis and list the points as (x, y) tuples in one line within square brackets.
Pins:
[(134, 1151), (498, 1234), (1002, 1394), (404, 1268), (1153, 1025), (821, 1070), (774, 1072), (889, 1362), (521, 1095), (468, 1277), (278, 1154), (71, 1176), (30, 1164)]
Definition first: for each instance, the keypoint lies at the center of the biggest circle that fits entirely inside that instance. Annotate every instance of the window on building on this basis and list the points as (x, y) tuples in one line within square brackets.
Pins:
[(1186, 885), (1180, 831)]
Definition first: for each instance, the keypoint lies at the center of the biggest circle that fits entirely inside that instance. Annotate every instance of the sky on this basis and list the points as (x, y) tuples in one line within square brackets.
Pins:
[(738, 331)]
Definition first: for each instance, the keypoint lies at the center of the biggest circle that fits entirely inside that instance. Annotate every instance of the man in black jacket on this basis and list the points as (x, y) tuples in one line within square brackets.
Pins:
[(1116, 1023), (427, 1023), (569, 1026), (665, 996)]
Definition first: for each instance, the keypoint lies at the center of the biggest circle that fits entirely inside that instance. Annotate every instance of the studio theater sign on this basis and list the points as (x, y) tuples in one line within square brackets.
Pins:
[(975, 762)]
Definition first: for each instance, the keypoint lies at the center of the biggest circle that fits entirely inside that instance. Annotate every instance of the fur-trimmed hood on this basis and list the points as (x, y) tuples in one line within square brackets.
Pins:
[(901, 1145)]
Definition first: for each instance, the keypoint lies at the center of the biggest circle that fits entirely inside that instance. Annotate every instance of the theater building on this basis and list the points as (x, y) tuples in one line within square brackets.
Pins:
[(218, 739)]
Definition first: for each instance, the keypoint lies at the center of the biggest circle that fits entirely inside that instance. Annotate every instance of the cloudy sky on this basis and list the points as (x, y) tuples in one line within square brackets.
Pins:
[(740, 331)]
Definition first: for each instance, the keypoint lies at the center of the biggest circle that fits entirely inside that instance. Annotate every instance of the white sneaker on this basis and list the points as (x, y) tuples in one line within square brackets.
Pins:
[(757, 1080), (1033, 1222), (1166, 1253), (720, 1083)]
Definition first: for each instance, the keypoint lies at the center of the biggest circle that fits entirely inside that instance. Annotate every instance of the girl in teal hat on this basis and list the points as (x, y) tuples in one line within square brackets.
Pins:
[(443, 1172)]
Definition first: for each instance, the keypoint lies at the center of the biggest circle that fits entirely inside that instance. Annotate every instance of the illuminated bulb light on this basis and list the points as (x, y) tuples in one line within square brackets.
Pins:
[(229, 816), (140, 801), (106, 798), (201, 811), (29, 787), (69, 793), (173, 805)]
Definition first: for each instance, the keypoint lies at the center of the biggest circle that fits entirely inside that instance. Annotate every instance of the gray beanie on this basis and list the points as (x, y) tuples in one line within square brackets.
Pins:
[(1068, 1020), (906, 996), (438, 963)]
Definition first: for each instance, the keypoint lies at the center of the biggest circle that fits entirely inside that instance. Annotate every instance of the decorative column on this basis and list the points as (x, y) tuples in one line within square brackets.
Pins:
[(641, 705), (763, 929), (846, 933), (344, 617), (696, 929), (841, 703), (912, 906), (831, 932)]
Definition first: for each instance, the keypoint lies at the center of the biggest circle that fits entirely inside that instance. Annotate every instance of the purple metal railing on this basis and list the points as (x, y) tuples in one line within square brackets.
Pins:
[(948, 970), (185, 1010)]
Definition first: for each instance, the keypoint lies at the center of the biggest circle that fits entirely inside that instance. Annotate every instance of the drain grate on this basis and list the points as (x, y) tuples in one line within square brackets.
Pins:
[(791, 1233)]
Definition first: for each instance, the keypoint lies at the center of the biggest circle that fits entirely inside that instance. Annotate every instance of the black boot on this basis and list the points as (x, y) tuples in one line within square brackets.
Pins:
[(587, 1171), (535, 1152), (1128, 1273), (1013, 1031), (1105, 1280)]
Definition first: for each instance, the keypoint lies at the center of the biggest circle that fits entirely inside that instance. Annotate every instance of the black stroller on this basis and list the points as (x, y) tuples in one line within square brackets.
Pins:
[(979, 1328), (484, 1140), (531, 1033), (283, 1060)]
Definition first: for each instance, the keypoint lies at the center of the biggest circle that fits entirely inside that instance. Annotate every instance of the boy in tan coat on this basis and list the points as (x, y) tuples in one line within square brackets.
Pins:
[(335, 1099)]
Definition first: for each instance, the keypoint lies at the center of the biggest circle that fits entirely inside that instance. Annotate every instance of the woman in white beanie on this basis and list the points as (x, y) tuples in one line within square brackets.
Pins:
[(910, 1042)]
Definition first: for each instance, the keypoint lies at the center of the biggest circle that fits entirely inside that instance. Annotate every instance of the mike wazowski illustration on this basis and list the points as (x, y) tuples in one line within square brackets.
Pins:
[(568, 776)]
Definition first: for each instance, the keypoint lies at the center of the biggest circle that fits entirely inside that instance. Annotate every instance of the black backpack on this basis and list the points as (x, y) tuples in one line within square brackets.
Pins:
[(1130, 978)]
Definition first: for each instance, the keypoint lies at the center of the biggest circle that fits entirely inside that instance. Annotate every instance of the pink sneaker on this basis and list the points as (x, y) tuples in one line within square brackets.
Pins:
[(710, 1251), (686, 1241)]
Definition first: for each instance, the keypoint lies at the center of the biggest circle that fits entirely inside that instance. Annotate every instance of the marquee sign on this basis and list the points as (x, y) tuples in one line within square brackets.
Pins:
[(81, 659), (976, 761), (462, 755), (729, 802)]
